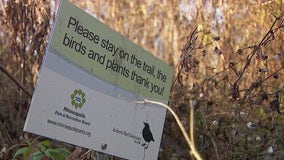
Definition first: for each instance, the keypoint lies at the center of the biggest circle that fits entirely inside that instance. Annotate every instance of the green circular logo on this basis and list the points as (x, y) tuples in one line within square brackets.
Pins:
[(78, 98)]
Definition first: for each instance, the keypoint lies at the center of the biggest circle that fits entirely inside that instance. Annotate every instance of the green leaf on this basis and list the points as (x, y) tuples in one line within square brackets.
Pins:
[(27, 151), (46, 143), (37, 155), (260, 112), (24, 151), (41, 147), (58, 156), (29, 143), (59, 150), (63, 150), (47, 153), (59, 153), (16, 145)]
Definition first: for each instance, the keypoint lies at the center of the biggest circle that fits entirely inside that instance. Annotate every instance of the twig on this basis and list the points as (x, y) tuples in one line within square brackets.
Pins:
[(185, 51), (191, 122), (264, 39), (258, 83), (189, 142), (85, 154), (215, 148), (16, 81), (75, 154), (272, 74)]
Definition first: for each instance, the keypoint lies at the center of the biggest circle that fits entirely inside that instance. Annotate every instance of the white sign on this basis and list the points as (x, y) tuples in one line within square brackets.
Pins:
[(88, 86)]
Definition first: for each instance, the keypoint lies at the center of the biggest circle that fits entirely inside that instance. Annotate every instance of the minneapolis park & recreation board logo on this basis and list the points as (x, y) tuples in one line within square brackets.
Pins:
[(78, 98)]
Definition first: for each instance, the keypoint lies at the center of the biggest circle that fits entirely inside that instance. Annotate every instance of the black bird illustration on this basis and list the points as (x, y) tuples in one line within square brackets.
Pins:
[(147, 135)]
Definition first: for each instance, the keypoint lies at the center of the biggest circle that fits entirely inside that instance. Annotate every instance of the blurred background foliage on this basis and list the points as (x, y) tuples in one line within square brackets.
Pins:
[(228, 57)]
